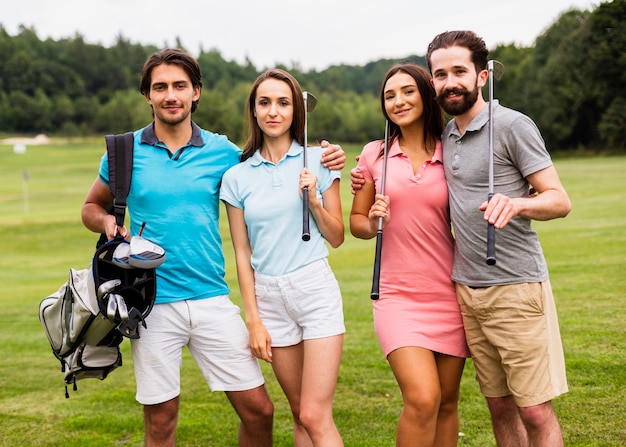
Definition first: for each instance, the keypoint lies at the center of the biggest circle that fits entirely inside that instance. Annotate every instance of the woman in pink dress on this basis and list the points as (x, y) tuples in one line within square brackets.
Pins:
[(417, 318)]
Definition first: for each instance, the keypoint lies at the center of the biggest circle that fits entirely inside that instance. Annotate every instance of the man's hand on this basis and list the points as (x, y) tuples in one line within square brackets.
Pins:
[(499, 210), (357, 180), (334, 157)]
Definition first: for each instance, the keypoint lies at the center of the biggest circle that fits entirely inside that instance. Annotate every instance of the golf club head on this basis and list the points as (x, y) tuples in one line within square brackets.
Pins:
[(112, 307), (496, 69), (122, 309), (121, 256), (145, 254), (310, 101), (107, 287)]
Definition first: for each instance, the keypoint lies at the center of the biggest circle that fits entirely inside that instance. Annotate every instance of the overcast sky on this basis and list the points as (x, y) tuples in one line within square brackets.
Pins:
[(311, 34)]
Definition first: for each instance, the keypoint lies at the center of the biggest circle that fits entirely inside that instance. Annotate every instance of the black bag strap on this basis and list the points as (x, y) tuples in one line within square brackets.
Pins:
[(120, 156)]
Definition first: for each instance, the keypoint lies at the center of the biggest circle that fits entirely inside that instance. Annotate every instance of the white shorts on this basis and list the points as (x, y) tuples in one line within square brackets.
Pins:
[(215, 334), (302, 305)]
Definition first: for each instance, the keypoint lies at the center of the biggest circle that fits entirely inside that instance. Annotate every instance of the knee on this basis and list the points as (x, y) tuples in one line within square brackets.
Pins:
[(537, 415), (315, 422), (262, 415), (502, 407), (160, 422), (309, 419), (448, 407), (423, 407), (266, 412)]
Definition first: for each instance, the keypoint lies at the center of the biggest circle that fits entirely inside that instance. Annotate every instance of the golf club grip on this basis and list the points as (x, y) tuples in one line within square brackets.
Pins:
[(306, 232), (375, 294), (491, 244), (491, 238)]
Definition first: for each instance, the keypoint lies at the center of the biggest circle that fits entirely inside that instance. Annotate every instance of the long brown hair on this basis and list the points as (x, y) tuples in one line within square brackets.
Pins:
[(433, 114), (255, 134)]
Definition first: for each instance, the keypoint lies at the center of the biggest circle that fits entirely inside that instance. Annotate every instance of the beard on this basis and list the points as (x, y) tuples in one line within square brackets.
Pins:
[(461, 106), (171, 120)]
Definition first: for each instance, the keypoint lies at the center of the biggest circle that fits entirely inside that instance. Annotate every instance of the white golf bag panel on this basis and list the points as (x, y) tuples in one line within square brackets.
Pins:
[(83, 336), (71, 316)]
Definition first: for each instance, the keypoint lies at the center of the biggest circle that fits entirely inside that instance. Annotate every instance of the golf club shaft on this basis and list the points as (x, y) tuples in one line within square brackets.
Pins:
[(491, 231), (306, 231), (375, 293)]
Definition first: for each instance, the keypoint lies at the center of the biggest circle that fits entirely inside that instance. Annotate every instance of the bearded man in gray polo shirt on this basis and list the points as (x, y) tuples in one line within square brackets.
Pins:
[(508, 308)]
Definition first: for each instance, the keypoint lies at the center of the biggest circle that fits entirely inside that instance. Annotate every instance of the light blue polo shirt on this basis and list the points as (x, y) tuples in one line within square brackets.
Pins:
[(269, 195), (177, 195)]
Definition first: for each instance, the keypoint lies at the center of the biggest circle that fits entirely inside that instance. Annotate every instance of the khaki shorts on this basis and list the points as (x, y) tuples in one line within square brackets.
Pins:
[(513, 335)]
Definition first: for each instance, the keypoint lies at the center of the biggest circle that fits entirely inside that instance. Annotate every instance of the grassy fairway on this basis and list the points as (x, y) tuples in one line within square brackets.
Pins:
[(41, 236)]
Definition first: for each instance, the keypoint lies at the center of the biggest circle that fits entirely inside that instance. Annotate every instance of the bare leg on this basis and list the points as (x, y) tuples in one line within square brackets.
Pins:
[(308, 374), (287, 363), (450, 372), (160, 423), (256, 411), (319, 380), (416, 372), (508, 427), (542, 425)]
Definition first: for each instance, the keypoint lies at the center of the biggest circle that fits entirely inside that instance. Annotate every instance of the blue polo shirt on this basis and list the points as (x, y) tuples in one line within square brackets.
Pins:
[(269, 195), (177, 195)]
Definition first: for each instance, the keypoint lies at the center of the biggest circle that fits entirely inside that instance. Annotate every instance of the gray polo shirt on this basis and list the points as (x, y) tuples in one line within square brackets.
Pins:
[(519, 150)]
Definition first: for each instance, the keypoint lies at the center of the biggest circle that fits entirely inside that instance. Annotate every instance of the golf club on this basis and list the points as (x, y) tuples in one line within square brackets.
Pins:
[(122, 309), (309, 104), (143, 253), (375, 294), (112, 307), (121, 255), (107, 287), (496, 70)]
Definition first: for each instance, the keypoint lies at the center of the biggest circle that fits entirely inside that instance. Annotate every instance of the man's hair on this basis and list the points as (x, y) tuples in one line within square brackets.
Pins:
[(433, 114), (172, 56), (467, 39), (255, 134)]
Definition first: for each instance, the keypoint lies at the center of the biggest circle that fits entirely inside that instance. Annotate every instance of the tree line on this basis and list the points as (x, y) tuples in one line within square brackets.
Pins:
[(571, 82)]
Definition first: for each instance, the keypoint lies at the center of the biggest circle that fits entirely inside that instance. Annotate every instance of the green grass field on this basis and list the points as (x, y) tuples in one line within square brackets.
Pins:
[(41, 236)]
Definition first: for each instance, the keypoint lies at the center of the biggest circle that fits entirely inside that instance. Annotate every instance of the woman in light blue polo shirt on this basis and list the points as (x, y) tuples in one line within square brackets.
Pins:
[(292, 302)]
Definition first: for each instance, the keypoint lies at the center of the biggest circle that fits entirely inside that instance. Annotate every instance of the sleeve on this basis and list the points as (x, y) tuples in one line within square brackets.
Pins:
[(229, 191), (526, 146), (325, 176), (103, 172), (367, 158)]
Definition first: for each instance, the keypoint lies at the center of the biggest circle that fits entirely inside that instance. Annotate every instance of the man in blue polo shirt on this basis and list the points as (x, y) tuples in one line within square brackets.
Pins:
[(177, 171)]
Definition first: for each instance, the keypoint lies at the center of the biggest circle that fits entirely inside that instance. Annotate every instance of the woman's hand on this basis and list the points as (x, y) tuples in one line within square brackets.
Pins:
[(260, 341), (379, 209)]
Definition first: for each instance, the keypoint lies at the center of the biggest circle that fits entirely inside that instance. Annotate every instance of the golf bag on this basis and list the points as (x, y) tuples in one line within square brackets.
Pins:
[(87, 318)]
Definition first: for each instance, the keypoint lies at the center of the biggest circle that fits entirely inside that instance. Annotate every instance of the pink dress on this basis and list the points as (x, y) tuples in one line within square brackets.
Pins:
[(417, 304)]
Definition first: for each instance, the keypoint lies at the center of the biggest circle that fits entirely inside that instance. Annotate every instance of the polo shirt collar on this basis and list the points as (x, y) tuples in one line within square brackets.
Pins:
[(149, 137), (294, 150), (438, 155), (479, 120), (395, 150)]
